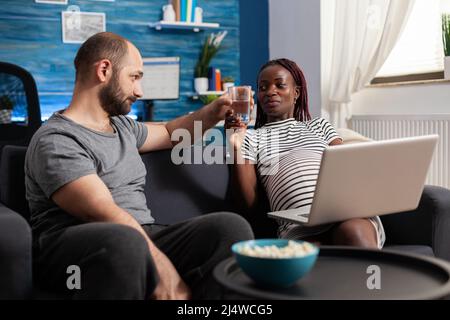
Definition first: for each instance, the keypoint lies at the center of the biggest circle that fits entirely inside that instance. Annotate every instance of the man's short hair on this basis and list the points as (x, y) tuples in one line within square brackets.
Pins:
[(103, 45)]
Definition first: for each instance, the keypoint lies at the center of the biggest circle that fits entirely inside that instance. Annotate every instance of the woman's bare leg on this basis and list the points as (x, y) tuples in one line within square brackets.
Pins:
[(355, 232)]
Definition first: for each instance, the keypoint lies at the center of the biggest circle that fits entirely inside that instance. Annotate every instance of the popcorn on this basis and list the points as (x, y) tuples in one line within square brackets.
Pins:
[(292, 250)]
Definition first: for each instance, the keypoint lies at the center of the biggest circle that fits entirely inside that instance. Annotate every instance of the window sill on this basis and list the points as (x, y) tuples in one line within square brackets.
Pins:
[(409, 79), (404, 83)]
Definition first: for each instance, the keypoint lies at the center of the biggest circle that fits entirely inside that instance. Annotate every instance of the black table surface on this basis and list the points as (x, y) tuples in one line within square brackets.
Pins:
[(343, 273)]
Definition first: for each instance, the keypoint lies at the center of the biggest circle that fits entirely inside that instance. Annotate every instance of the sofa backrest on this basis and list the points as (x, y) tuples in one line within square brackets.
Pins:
[(12, 179), (174, 192), (178, 192)]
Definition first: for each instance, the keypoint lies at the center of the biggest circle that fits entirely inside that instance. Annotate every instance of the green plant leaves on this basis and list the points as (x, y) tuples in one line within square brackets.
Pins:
[(207, 99), (209, 50)]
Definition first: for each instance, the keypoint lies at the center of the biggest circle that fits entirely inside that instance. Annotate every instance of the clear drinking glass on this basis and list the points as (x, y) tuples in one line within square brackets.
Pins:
[(241, 98)]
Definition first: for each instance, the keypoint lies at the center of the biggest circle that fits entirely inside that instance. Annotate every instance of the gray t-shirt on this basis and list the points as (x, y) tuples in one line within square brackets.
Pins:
[(62, 151)]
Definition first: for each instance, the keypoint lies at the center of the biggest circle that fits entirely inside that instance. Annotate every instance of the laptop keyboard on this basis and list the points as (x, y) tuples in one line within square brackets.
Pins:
[(302, 217)]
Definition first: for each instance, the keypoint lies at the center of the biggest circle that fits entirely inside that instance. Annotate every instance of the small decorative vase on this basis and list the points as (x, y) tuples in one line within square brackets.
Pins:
[(201, 84), (447, 67)]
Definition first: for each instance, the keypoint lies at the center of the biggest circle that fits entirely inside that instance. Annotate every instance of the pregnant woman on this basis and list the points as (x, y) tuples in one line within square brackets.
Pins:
[(283, 154)]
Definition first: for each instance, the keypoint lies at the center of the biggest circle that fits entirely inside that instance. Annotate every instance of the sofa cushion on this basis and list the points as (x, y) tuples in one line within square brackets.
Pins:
[(179, 192), (349, 136), (12, 179), (174, 192), (413, 226), (15, 256)]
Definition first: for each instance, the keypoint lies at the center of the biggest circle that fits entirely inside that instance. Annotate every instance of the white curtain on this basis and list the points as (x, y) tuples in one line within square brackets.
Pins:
[(357, 38)]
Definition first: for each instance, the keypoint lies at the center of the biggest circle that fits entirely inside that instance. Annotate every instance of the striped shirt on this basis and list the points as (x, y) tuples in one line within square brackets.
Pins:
[(287, 155)]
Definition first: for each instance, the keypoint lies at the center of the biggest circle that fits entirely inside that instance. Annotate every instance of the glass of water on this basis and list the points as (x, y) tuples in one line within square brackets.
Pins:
[(241, 97)]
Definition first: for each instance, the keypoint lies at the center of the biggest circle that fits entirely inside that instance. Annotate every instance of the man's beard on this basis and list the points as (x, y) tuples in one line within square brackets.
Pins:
[(112, 99)]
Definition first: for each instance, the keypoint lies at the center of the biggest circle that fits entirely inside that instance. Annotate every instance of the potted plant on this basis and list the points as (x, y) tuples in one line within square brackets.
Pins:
[(227, 82), (6, 107), (446, 42), (207, 99), (209, 50)]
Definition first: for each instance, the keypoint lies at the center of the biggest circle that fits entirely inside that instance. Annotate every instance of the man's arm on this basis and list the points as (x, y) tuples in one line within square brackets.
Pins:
[(159, 134), (88, 199)]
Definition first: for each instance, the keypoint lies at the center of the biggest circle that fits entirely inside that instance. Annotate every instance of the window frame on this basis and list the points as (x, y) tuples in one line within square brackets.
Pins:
[(414, 77)]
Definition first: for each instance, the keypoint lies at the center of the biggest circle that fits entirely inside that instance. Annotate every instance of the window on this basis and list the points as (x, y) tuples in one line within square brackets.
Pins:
[(418, 54)]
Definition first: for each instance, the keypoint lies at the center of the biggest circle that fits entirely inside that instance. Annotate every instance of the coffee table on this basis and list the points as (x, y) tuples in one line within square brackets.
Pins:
[(344, 272)]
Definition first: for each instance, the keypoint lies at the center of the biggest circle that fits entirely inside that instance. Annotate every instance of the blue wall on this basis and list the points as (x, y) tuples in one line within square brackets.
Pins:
[(254, 38), (30, 36)]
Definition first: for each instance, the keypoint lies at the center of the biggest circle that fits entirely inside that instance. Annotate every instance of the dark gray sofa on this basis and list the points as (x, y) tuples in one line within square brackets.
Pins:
[(178, 192)]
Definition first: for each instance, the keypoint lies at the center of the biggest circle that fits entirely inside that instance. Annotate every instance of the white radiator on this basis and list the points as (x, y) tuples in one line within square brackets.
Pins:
[(381, 127)]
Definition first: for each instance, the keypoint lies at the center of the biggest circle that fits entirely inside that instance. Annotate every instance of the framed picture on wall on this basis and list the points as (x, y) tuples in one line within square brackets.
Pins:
[(78, 26), (52, 1)]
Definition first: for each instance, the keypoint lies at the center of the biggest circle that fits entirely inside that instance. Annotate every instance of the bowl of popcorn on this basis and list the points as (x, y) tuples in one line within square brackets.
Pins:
[(275, 262)]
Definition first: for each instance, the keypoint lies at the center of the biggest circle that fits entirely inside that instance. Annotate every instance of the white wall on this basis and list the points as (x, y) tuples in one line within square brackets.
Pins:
[(431, 98), (294, 33)]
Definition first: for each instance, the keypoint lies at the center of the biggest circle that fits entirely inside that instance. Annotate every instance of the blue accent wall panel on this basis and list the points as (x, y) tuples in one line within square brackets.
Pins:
[(31, 36), (254, 38)]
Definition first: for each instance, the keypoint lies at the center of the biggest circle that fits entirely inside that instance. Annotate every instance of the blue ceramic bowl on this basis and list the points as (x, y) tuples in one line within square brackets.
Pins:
[(274, 272)]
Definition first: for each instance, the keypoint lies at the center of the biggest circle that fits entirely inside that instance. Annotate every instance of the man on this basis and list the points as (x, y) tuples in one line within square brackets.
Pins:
[(84, 166)]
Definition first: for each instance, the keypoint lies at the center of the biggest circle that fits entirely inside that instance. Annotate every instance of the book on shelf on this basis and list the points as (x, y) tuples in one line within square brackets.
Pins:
[(189, 11), (218, 80), (211, 79), (193, 6), (176, 8), (183, 10)]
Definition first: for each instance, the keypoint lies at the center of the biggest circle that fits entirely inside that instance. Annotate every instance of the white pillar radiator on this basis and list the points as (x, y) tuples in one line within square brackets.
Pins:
[(381, 127)]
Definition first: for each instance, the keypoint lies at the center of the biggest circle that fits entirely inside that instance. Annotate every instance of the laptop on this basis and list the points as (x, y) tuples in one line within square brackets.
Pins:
[(367, 179)]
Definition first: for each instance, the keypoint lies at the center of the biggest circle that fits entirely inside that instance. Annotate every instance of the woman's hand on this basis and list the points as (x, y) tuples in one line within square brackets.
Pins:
[(220, 107), (239, 129)]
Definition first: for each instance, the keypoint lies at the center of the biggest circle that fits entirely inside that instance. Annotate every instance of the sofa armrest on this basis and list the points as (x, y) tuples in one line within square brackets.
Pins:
[(439, 199), (15, 255), (428, 225)]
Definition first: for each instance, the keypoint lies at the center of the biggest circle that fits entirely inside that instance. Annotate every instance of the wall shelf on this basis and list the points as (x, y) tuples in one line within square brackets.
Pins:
[(196, 27), (197, 95)]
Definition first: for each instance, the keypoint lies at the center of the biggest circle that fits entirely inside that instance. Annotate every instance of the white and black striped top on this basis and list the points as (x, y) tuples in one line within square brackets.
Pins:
[(287, 155)]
